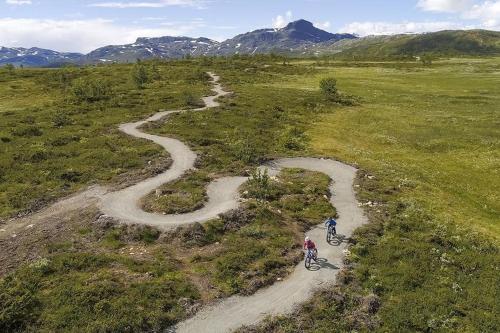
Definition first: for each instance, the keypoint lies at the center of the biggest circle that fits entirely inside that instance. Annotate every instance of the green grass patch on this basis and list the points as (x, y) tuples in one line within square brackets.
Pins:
[(181, 196), (53, 143), (91, 293)]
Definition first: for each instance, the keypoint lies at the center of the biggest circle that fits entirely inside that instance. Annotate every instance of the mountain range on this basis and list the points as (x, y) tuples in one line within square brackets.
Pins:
[(299, 38)]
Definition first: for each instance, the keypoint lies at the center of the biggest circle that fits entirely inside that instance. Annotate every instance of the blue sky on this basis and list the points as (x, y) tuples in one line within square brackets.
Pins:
[(71, 25)]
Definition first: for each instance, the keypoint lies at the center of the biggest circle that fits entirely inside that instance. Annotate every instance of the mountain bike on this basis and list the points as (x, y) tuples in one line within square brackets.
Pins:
[(331, 233), (310, 255)]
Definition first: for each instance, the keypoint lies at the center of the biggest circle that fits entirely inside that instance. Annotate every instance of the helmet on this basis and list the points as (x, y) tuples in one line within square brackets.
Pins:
[(307, 239)]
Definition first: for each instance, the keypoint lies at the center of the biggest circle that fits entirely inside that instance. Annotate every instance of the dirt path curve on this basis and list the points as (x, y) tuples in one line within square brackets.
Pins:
[(124, 205), (282, 297)]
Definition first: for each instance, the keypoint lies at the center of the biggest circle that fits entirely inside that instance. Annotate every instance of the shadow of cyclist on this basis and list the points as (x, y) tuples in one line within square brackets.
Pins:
[(322, 263), (338, 239)]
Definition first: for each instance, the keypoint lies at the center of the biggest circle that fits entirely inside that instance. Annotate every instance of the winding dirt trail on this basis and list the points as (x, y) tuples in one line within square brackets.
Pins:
[(283, 297), (237, 311), (222, 193), (280, 298)]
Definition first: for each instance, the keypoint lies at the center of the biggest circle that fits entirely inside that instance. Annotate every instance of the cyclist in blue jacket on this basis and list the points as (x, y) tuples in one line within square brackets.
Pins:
[(330, 222)]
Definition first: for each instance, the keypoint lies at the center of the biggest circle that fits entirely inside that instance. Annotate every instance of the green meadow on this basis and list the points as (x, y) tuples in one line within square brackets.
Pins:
[(425, 138)]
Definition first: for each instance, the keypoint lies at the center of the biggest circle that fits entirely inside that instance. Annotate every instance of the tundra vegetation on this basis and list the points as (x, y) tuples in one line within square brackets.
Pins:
[(428, 261)]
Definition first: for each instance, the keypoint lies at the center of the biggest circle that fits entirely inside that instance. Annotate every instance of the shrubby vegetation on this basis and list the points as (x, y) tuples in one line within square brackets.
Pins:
[(91, 90), (430, 256), (256, 245), (68, 135), (9, 67), (182, 196), (88, 292), (329, 89), (140, 75), (415, 268), (405, 272), (128, 278)]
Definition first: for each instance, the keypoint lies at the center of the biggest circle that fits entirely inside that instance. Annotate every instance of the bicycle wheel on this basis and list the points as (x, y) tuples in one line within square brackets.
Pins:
[(307, 261), (329, 235)]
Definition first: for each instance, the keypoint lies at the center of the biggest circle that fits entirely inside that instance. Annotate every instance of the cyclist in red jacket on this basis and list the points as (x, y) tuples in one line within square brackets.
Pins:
[(310, 246)]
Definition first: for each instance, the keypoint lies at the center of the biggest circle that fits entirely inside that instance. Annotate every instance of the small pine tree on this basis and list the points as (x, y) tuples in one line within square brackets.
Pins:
[(260, 184), (155, 73), (426, 59), (9, 67), (329, 89), (140, 75)]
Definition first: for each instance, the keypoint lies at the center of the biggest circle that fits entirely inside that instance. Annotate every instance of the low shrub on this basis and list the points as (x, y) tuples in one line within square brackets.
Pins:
[(28, 132), (61, 120), (91, 90), (293, 138), (72, 176)]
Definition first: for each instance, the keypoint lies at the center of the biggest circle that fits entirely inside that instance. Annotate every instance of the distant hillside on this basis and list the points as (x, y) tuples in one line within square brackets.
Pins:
[(145, 48), (35, 57), (300, 38), (443, 43)]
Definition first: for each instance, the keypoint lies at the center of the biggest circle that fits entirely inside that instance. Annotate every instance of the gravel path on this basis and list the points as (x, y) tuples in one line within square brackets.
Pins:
[(281, 297), (124, 205)]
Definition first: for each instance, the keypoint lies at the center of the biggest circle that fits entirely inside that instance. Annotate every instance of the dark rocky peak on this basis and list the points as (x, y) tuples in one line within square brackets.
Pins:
[(300, 25), (303, 30)]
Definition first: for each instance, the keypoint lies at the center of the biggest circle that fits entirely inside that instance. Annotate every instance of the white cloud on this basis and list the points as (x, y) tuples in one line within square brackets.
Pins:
[(449, 6), (18, 2), (387, 28), (486, 12), (281, 21), (81, 35), (150, 4), (323, 25)]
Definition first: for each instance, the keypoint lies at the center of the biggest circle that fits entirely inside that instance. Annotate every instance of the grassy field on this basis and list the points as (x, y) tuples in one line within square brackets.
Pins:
[(429, 138), (425, 140), (136, 279), (52, 144), (436, 130)]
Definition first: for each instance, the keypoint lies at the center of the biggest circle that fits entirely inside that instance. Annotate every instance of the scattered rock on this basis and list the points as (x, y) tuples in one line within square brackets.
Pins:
[(371, 303), (193, 235), (105, 222), (189, 305)]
